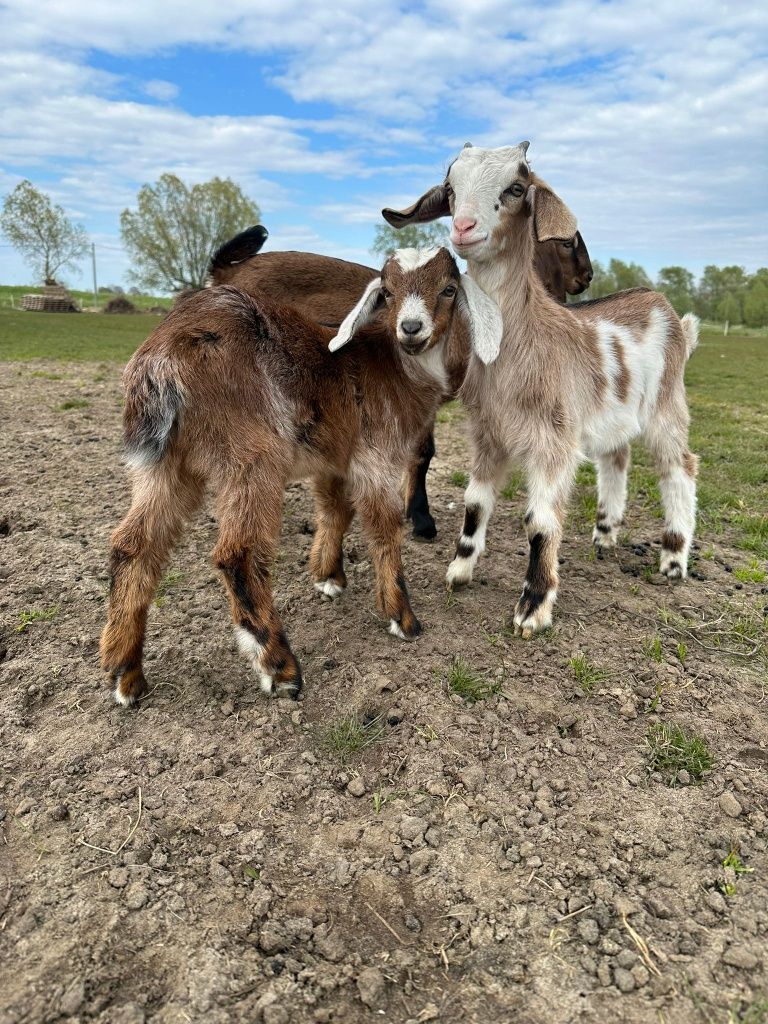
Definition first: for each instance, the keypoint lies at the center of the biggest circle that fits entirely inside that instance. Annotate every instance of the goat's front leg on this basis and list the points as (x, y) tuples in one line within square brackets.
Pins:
[(611, 496), (381, 514), (547, 495), (479, 501), (334, 514), (416, 498)]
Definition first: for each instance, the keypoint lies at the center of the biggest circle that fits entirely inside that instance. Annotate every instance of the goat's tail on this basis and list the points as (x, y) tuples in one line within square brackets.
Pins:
[(690, 324), (238, 249), (154, 399)]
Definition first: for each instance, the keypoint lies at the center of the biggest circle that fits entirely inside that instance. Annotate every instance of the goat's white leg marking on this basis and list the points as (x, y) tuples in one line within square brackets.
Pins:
[(611, 496), (396, 630), (253, 651), (678, 495), (479, 502), (329, 587)]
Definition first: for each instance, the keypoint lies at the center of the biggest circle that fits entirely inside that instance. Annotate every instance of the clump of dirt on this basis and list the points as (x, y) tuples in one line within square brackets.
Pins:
[(503, 853), (119, 304)]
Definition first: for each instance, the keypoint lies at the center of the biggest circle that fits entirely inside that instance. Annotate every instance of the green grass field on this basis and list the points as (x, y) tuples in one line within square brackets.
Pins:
[(11, 295), (727, 382)]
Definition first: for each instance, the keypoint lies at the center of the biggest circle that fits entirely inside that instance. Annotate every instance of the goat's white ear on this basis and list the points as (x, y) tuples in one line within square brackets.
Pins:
[(551, 217), (361, 315), (486, 326)]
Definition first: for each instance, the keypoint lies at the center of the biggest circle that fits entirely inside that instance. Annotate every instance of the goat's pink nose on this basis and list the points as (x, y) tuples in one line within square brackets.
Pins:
[(463, 224)]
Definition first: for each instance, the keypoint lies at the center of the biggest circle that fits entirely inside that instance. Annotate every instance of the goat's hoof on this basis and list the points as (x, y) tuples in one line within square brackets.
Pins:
[(603, 541), (405, 629), (329, 588), (289, 687), (533, 613), (425, 530), (130, 685), (459, 574)]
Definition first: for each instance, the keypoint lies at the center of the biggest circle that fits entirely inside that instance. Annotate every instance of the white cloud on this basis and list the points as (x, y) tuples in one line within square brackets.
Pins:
[(157, 89)]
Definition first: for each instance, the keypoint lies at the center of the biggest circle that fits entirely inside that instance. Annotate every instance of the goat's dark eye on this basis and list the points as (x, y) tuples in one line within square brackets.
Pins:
[(514, 190), (386, 293), (450, 290), (567, 245), (448, 189)]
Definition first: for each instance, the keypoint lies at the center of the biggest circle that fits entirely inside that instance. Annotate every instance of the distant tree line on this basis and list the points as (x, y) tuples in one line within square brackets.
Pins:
[(721, 293)]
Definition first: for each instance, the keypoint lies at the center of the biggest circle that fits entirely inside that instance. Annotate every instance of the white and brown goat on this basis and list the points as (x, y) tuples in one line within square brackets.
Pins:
[(241, 394), (566, 381), (325, 289)]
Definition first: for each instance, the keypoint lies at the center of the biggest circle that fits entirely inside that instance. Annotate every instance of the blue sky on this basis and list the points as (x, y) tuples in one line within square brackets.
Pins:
[(650, 122)]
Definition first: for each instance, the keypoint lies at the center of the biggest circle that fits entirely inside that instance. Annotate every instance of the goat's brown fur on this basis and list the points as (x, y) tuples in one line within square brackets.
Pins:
[(241, 394)]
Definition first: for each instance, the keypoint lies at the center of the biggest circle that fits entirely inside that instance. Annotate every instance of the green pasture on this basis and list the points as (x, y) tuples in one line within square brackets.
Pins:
[(727, 382)]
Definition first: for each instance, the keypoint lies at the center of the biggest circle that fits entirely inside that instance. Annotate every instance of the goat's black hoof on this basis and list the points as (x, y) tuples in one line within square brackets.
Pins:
[(425, 529)]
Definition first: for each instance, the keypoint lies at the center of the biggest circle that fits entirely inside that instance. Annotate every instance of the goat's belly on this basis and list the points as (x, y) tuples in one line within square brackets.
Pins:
[(612, 430)]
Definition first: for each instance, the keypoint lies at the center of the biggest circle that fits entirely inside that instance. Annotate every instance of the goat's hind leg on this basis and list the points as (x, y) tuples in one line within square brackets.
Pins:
[(249, 529), (334, 514), (164, 497), (611, 496)]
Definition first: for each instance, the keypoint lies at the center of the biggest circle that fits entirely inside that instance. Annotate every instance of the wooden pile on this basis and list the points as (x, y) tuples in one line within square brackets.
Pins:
[(54, 299)]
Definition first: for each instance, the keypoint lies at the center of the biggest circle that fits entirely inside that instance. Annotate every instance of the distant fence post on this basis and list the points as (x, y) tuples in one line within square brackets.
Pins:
[(725, 328), (93, 261)]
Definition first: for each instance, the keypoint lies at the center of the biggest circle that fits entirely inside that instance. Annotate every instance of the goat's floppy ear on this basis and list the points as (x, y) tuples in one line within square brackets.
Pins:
[(486, 326), (551, 217), (430, 206), (361, 315)]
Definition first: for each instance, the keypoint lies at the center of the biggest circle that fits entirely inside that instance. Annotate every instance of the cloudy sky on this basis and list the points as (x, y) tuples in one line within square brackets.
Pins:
[(648, 119)]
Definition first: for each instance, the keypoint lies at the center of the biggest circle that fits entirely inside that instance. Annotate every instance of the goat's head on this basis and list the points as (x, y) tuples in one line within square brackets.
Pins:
[(485, 191), (420, 290), (576, 264)]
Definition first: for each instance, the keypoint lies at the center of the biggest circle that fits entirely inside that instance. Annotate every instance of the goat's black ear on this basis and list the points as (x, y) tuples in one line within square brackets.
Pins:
[(365, 310), (430, 206), (551, 217)]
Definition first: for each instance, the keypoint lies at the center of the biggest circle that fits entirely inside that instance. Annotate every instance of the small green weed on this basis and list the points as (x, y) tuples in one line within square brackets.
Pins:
[(734, 866), (35, 615), (469, 685), (655, 700), (74, 403), (755, 1013), (672, 750), (251, 872), (586, 674), (168, 583), (45, 375), (652, 649), (349, 735), (513, 486), (459, 478), (682, 652)]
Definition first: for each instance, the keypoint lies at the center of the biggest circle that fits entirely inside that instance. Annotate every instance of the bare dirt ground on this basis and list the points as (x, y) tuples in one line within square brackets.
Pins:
[(211, 857)]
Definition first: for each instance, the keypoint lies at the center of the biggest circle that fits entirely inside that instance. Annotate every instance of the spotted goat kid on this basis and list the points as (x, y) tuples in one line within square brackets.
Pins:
[(566, 381), (240, 394)]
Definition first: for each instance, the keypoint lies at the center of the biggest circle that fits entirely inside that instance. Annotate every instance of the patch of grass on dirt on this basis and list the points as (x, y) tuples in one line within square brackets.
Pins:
[(752, 573), (74, 403), (470, 685), (459, 478), (652, 649), (672, 750), (46, 376), (35, 615), (350, 734), (755, 1013), (450, 412), (167, 584), (586, 674)]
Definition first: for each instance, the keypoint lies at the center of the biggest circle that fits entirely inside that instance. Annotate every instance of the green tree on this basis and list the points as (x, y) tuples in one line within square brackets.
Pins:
[(756, 301), (175, 230), (677, 285), (44, 235), (628, 275), (714, 284), (729, 308), (413, 236)]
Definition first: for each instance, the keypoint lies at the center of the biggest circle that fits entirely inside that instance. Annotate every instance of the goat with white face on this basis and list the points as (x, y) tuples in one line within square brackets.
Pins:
[(242, 395), (586, 378)]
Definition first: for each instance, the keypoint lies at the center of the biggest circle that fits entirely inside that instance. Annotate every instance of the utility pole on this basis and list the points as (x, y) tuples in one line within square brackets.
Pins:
[(93, 261)]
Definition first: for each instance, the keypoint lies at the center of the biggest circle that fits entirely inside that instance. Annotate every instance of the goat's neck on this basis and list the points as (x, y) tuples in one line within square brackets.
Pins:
[(511, 280)]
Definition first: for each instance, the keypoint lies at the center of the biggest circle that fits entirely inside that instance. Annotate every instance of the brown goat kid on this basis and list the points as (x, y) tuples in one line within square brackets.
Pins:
[(325, 289), (242, 395)]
